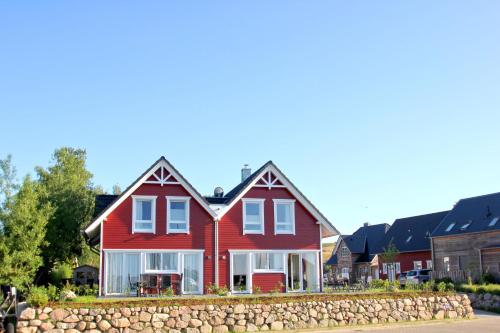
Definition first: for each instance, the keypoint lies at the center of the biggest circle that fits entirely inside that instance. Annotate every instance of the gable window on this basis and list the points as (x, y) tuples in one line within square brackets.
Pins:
[(493, 221), (161, 262), (268, 262), (344, 252), (253, 216), (284, 216), (143, 213), (450, 227), (178, 214)]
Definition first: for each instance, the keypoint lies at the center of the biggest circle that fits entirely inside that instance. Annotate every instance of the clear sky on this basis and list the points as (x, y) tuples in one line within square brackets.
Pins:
[(375, 109)]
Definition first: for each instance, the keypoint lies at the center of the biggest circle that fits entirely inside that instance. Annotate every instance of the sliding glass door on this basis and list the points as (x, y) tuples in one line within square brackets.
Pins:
[(192, 274), (123, 272), (240, 278)]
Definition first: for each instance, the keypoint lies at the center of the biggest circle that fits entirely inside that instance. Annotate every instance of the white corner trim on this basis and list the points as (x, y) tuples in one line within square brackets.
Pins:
[(178, 199)]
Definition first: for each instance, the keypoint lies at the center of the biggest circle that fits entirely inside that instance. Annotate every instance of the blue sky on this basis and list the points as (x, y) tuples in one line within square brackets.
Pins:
[(375, 109)]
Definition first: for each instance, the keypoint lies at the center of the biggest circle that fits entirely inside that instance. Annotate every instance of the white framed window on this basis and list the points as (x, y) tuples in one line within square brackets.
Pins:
[(268, 262), (253, 216), (178, 215), (384, 268), (161, 262), (143, 213), (398, 267), (417, 264), (446, 264), (345, 272), (428, 264), (284, 216), (344, 252)]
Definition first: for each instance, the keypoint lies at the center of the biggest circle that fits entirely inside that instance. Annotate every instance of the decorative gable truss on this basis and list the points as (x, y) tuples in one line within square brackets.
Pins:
[(269, 180), (162, 177)]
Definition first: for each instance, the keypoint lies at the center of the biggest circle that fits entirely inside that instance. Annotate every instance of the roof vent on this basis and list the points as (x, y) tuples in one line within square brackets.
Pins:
[(246, 171), (366, 224), (218, 192)]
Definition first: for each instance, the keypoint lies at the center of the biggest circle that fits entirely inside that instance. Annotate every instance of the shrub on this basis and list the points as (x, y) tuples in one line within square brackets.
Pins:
[(61, 272), (441, 286), (37, 297), (479, 289), (211, 289), (278, 288), (445, 280), (450, 286), (379, 284), (257, 290), (168, 292), (488, 278), (222, 291), (52, 292)]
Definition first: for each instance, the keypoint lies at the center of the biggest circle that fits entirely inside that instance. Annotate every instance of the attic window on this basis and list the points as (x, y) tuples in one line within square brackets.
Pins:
[(493, 222), (465, 226), (450, 226), (409, 239)]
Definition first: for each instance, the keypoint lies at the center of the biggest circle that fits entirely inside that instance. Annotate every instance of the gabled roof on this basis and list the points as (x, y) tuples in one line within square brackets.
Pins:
[(411, 233), (102, 201), (333, 260), (232, 197), (92, 229), (471, 215), (363, 241)]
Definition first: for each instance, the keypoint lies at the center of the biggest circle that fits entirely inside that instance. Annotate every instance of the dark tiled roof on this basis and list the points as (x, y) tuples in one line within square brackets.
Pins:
[(333, 260), (102, 201), (366, 238), (478, 211), (365, 257), (355, 243), (418, 227)]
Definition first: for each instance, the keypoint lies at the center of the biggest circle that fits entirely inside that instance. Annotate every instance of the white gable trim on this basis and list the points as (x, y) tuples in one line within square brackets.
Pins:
[(328, 229), (161, 163)]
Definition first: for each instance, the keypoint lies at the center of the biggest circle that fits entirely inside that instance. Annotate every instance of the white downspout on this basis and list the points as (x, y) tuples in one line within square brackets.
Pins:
[(321, 258), (216, 254), (101, 270)]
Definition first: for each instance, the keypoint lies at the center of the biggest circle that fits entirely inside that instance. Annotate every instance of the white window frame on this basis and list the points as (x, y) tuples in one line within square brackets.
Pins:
[(416, 263), (151, 198), (384, 268), (177, 199), (268, 270), (160, 271), (428, 264), (290, 202), (446, 264), (398, 268), (260, 202)]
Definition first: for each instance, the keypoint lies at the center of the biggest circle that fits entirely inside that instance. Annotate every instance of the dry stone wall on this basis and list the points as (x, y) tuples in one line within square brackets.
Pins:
[(485, 301), (243, 317)]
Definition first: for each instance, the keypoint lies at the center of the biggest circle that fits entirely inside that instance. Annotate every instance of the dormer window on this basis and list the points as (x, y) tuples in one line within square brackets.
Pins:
[(465, 226), (493, 222), (143, 213), (284, 216), (178, 215), (253, 216), (409, 238), (450, 227)]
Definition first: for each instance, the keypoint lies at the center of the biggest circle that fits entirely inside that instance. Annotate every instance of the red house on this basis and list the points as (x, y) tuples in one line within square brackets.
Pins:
[(263, 233), (411, 236)]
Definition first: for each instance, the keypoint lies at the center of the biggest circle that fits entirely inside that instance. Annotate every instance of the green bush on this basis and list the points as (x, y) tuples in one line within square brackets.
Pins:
[(222, 291), (60, 272), (52, 292), (257, 290), (445, 280), (37, 297), (441, 286), (379, 284), (450, 286), (168, 292)]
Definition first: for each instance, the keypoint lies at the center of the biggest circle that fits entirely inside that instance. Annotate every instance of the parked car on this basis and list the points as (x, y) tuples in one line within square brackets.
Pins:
[(418, 276), (402, 278)]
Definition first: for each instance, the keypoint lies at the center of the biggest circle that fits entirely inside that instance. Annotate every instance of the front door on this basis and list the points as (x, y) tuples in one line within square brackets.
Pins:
[(294, 281)]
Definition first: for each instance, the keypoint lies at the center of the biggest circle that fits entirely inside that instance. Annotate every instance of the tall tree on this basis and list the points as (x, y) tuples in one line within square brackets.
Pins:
[(68, 188), (117, 190), (8, 184), (25, 219)]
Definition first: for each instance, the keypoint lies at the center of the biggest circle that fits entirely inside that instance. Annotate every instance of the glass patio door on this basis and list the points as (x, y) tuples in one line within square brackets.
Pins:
[(240, 278), (192, 274), (294, 282), (123, 272)]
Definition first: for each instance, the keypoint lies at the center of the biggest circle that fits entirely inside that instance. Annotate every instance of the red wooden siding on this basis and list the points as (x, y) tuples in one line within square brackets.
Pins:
[(268, 281), (307, 232), (406, 261), (117, 228)]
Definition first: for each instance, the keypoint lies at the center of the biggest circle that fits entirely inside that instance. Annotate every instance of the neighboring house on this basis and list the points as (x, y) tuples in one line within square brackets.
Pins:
[(354, 257), (411, 237), (263, 233), (85, 274), (467, 241)]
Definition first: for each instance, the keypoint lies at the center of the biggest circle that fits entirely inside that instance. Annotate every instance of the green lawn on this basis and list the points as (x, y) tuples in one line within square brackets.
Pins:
[(480, 288)]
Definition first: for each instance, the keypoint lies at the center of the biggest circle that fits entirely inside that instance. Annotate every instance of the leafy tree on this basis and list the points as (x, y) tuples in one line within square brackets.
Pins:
[(117, 189), (68, 188), (25, 219), (8, 184)]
